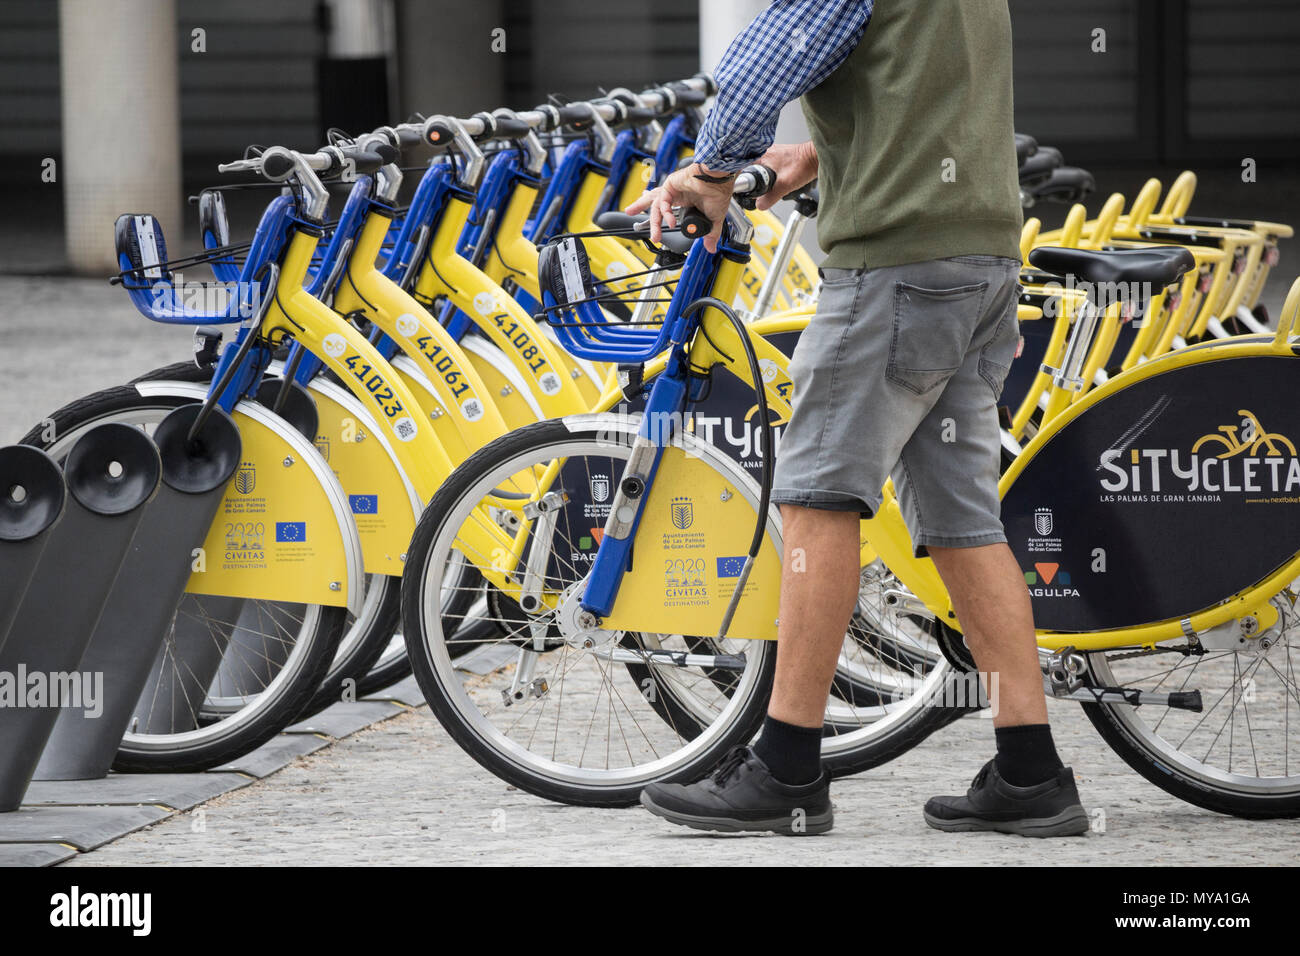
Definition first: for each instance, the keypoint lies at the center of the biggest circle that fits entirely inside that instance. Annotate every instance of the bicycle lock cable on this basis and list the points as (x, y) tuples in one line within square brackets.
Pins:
[(765, 424)]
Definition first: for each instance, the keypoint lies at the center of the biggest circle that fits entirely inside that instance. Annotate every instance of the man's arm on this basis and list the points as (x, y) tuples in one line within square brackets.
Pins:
[(787, 50)]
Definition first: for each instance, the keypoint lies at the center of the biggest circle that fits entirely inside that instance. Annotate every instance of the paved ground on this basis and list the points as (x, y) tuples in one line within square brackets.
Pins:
[(63, 337), (403, 793)]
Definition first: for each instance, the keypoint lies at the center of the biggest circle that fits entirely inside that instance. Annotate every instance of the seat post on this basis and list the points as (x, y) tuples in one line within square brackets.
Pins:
[(1070, 375)]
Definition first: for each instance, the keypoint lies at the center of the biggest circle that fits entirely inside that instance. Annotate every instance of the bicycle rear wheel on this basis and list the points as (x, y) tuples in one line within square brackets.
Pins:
[(579, 724), (1241, 754)]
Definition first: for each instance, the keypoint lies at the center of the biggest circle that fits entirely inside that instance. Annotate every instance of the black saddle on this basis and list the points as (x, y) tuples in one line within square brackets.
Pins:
[(1159, 266)]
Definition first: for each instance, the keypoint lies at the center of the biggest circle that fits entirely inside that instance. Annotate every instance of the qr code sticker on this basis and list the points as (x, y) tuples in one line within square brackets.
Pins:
[(404, 428)]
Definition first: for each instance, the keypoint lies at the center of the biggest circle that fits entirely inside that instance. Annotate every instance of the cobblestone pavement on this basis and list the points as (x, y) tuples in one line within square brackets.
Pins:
[(403, 792)]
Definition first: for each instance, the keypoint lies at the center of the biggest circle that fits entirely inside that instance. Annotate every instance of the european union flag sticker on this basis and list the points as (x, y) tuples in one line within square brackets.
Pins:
[(364, 504), (291, 531), (730, 567)]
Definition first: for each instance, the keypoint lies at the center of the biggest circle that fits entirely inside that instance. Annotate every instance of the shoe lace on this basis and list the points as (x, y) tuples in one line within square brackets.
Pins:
[(731, 763)]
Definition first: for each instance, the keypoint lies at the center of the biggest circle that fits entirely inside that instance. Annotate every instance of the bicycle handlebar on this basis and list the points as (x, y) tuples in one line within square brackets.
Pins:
[(439, 131)]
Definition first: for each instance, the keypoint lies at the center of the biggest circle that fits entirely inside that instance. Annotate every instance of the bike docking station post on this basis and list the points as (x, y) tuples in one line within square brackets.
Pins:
[(111, 472), (150, 585), (31, 501)]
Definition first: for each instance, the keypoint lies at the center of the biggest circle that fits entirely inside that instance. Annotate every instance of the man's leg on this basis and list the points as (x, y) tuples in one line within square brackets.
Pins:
[(819, 588), (992, 603), (779, 784), (1025, 789)]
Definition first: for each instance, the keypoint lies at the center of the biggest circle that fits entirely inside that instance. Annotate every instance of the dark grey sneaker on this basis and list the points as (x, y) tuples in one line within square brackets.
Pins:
[(1045, 810), (740, 796)]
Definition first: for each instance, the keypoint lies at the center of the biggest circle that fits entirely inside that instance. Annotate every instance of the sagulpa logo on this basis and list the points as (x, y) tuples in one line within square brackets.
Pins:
[(1048, 580)]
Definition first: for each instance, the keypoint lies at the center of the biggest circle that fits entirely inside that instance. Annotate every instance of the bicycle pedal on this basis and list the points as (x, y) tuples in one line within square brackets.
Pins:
[(1175, 700)]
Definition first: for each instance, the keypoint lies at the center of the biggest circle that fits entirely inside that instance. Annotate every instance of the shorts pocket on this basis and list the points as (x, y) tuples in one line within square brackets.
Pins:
[(1000, 351), (839, 278), (932, 333)]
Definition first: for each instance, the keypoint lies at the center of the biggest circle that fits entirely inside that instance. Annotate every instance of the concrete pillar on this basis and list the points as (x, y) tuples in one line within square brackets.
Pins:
[(720, 21), (121, 122), (355, 77), (445, 57), (358, 28)]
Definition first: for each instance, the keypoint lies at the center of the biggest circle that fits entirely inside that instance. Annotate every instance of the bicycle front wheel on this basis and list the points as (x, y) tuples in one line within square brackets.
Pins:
[(589, 725)]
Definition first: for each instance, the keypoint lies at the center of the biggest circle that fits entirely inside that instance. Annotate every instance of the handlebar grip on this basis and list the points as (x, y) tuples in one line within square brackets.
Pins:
[(370, 161), (710, 84), (510, 127), (764, 180), (577, 115), (277, 166), (408, 139), (693, 223), (640, 115)]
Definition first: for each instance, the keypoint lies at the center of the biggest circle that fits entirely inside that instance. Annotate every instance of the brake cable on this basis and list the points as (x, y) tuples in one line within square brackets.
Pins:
[(765, 424)]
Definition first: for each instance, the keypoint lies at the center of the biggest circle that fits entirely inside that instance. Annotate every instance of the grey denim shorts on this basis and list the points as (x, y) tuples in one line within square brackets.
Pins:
[(898, 374)]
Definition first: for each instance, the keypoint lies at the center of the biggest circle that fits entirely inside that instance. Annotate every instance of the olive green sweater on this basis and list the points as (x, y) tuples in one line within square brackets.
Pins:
[(914, 138)]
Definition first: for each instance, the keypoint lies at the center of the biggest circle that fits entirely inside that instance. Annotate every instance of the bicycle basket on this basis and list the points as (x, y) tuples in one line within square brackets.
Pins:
[(159, 292), (571, 303)]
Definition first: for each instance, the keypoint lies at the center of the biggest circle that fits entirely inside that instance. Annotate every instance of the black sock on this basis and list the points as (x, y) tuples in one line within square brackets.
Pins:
[(1026, 754), (793, 754)]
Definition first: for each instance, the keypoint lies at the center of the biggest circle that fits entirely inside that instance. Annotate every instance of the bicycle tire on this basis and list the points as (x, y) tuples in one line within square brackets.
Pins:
[(1137, 745), (433, 540)]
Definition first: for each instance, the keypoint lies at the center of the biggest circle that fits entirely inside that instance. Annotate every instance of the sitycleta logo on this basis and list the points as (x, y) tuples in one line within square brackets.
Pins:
[(1242, 458)]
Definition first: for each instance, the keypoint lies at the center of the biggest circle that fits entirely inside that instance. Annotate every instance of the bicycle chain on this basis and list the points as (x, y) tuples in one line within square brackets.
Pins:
[(1147, 652)]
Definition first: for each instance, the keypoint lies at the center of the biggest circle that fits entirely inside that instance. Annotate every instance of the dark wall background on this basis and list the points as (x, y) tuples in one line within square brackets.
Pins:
[(1201, 83)]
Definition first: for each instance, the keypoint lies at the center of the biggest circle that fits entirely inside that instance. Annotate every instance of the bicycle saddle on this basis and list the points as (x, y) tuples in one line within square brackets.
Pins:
[(1025, 147), (616, 221), (1037, 169), (1066, 184), (1159, 266)]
